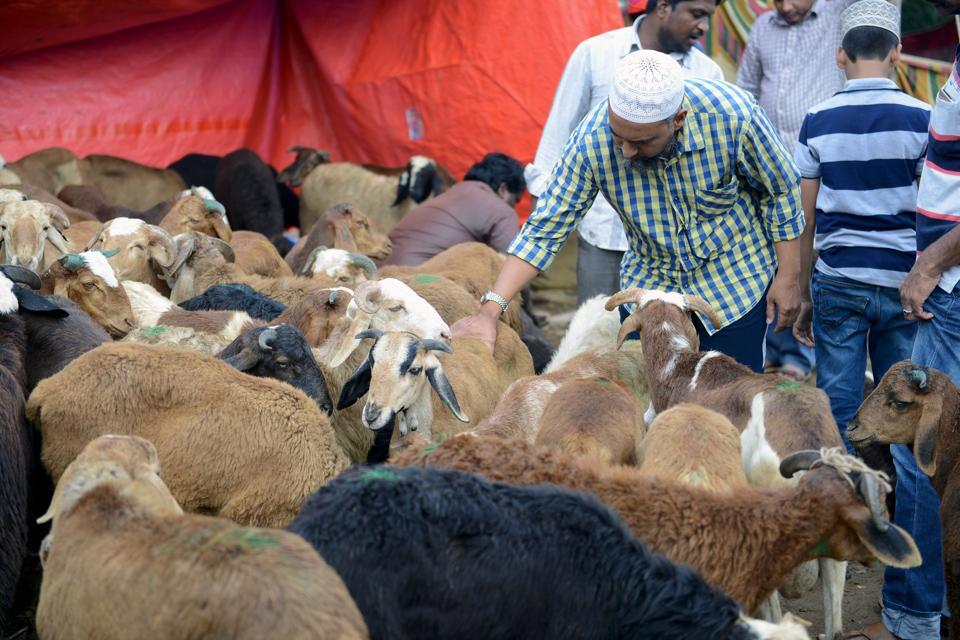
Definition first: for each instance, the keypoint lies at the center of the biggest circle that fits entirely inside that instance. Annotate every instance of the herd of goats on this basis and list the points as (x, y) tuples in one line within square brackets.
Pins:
[(206, 432)]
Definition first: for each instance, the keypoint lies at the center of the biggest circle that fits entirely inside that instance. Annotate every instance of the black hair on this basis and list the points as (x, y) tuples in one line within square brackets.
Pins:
[(652, 5), (869, 43), (496, 169)]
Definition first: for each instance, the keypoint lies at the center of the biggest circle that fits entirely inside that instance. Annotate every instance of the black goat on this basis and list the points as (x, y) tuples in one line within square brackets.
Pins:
[(246, 186), (52, 342), (434, 553), (235, 297), (280, 352)]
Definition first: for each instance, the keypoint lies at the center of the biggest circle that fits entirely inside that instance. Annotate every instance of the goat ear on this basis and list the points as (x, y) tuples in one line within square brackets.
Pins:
[(343, 238), (358, 384), (442, 386), (403, 185), (244, 360), (221, 228), (56, 238), (343, 345), (38, 304), (892, 547), (925, 440)]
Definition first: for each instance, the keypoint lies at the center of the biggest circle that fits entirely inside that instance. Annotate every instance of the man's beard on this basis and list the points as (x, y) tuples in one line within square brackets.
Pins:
[(641, 163)]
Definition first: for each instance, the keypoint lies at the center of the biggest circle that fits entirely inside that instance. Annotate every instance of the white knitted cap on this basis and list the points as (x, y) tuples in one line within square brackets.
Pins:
[(870, 13), (647, 87)]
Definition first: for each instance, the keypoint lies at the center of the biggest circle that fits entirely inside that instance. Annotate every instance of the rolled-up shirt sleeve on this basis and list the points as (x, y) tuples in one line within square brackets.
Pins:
[(569, 192), (764, 163)]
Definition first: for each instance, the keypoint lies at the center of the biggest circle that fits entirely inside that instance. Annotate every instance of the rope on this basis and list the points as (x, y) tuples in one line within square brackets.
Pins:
[(840, 460)]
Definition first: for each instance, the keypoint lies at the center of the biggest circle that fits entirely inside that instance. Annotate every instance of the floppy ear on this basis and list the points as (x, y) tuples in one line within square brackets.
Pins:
[(925, 440), (403, 185), (892, 547), (425, 181), (442, 386), (358, 384), (343, 237), (38, 304), (348, 340), (221, 228)]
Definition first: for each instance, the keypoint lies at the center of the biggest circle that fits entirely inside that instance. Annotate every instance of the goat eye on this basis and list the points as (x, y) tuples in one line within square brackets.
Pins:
[(46, 228), (399, 307), (900, 404), (89, 285), (414, 371)]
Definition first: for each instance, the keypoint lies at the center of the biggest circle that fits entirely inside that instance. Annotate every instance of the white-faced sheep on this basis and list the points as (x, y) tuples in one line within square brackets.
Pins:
[(832, 511), (339, 268), (593, 417), (138, 251), (26, 228), (431, 553), (88, 280), (249, 449), (211, 577)]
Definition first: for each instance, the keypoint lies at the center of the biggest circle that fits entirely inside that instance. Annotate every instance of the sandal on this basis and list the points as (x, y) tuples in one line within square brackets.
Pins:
[(875, 631)]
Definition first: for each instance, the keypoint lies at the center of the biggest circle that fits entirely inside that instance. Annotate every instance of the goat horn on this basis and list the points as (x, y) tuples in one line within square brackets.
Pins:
[(224, 248), (631, 324), (72, 262), (369, 333), (367, 296), (623, 297), (266, 337), (21, 275), (696, 303), (365, 263), (869, 488), (312, 258), (436, 345), (798, 461), (96, 237)]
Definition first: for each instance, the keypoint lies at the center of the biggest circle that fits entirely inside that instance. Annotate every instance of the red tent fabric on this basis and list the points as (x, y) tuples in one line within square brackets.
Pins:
[(368, 80)]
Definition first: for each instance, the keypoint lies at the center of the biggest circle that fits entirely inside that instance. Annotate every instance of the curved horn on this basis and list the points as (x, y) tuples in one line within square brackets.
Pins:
[(369, 333), (57, 216), (266, 337), (364, 263), (869, 488), (224, 248), (367, 296), (311, 259), (186, 244), (624, 297), (631, 324), (696, 303), (798, 461), (436, 345), (21, 275), (160, 238), (71, 262)]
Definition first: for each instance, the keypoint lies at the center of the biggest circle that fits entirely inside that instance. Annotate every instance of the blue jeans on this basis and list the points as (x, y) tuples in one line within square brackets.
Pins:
[(783, 348), (913, 598), (850, 318), (741, 340)]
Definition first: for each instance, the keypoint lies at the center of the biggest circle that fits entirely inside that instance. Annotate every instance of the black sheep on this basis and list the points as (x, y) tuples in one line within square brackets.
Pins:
[(280, 352), (235, 297), (52, 343), (434, 553), (246, 186)]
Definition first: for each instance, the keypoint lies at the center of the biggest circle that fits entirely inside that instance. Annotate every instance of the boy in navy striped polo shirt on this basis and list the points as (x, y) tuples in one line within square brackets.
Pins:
[(860, 154)]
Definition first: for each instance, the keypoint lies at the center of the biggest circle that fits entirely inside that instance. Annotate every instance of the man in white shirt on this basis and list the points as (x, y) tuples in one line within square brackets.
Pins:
[(669, 26)]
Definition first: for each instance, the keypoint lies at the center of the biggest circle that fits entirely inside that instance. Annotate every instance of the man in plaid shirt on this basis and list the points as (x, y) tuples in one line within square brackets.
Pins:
[(707, 193)]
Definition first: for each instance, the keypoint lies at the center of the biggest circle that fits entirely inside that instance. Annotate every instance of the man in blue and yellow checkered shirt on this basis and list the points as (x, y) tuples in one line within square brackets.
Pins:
[(708, 195)]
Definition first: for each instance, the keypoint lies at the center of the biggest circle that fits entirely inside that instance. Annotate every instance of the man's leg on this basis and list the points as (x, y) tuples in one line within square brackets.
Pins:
[(598, 271), (742, 340), (784, 350), (913, 598), (842, 314)]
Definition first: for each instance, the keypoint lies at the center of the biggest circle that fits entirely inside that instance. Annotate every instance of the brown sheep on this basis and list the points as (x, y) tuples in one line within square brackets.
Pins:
[(593, 417), (193, 212), (128, 183), (89, 198), (48, 169), (920, 406), (452, 301), (728, 538), (256, 255), (89, 281), (473, 265), (696, 446), (340, 227), (73, 214), (31, 232), (250, 449), (211, 576)]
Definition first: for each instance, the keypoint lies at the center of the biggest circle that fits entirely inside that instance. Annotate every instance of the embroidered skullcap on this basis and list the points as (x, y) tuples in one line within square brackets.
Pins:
[(870, 13), (647, 87)]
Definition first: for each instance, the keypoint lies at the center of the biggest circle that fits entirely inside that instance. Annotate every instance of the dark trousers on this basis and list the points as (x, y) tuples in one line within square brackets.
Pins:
[(742, 340)]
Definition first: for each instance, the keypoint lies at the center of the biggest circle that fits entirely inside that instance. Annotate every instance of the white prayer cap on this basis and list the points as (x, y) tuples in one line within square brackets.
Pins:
[(647, 87), (870, 13)]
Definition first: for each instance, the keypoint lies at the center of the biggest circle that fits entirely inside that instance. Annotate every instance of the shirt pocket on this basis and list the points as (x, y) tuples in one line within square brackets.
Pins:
[(711, 229)]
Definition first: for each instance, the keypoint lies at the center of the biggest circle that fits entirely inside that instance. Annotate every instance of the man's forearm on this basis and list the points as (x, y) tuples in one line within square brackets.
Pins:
[(941, 255), (809, 189), (514, 276), (789, 258)]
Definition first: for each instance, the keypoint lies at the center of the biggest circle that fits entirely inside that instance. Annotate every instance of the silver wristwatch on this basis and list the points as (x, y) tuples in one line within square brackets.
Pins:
[(495, 297)]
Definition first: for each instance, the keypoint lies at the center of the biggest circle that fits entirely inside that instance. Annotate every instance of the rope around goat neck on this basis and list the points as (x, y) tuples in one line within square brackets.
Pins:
[(837, 458)]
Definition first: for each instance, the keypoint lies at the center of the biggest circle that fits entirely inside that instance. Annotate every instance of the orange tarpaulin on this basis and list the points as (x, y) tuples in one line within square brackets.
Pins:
[(368, 80)]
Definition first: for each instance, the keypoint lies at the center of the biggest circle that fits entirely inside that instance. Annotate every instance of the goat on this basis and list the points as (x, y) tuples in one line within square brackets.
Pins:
[(88, 280), (203, 415), (35, 193), (139, 251), (695, 446), (49, 169), (401, 367), (775, 416), (196, 212), (920, 406), (417, 546), (211, 575), (727, 537), (235, 297), (340, 227), (25, 229), (89, 198), (256, 255), (592, 328), (339, 268), (453, 302), (593, 417), (248, 189)]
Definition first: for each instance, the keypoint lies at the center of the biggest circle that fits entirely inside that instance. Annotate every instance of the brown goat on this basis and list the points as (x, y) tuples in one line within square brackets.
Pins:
[(340, 227), (89, 281), (920, 406), (211, 575), (593, 417), (696, 446), (89, 198), (194, 213), (473, 265), (728, 538), (256, 255)]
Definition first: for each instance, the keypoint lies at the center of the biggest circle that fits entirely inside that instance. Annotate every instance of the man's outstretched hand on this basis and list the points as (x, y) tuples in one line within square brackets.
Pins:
[(480, 325)]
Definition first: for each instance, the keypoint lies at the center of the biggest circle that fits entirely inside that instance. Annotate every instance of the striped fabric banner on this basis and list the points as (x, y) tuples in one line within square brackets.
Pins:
[(919, 77)]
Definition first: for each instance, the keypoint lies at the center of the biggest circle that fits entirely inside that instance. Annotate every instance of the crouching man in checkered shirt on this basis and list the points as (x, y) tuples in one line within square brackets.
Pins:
[(707, 193)]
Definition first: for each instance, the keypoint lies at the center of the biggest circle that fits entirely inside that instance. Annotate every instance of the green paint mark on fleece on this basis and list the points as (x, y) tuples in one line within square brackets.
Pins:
[(789, 385), (379, 474), (430, 448), (603, 382), (153, 332), (821, 548), (248, 539), (425, 279)]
